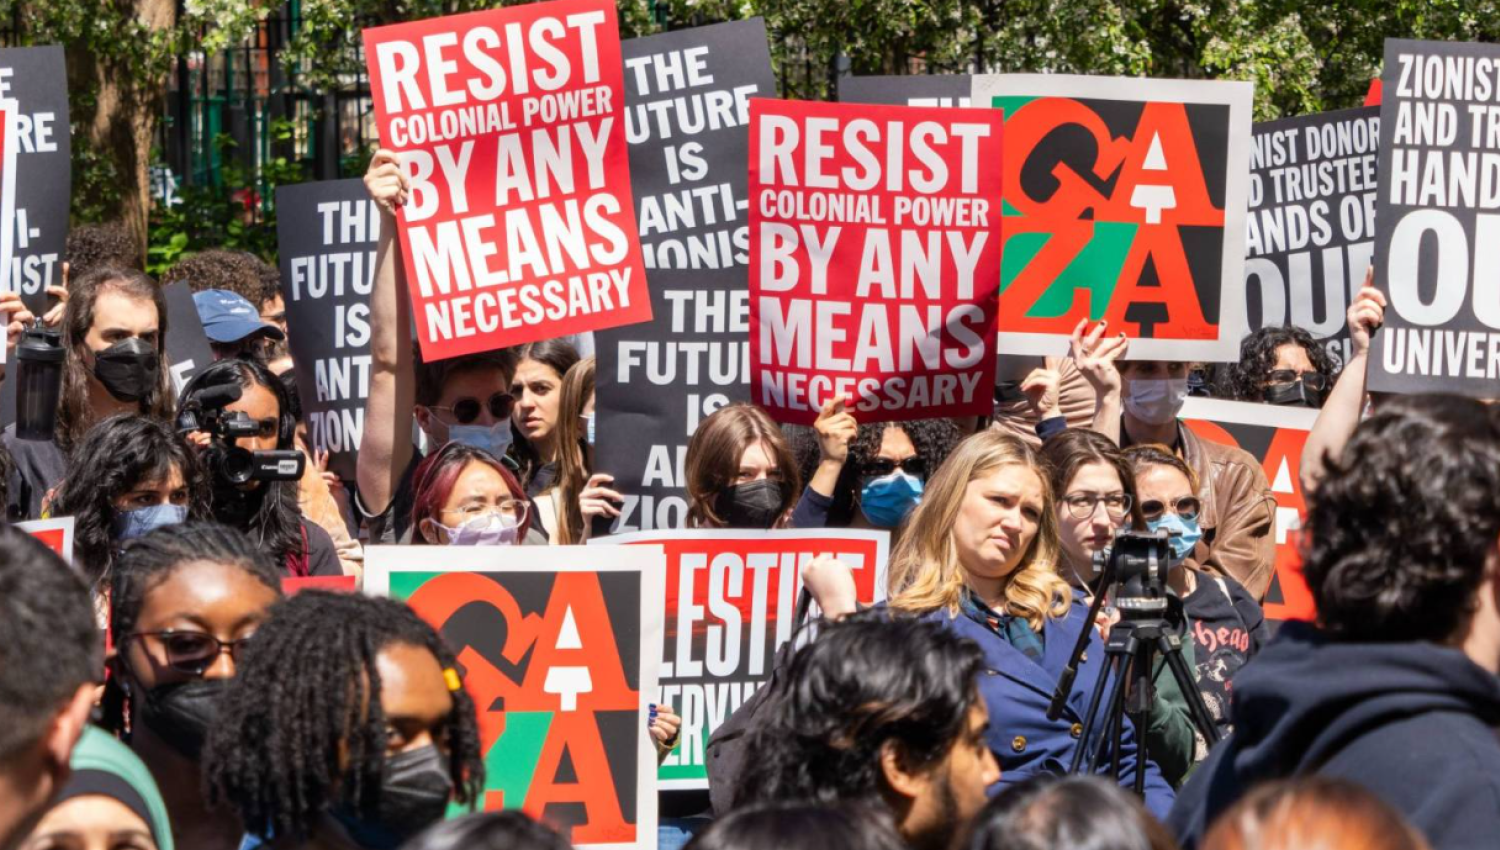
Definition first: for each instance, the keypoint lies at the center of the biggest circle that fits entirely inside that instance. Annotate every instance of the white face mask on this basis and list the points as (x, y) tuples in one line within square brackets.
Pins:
[(1156, 401)]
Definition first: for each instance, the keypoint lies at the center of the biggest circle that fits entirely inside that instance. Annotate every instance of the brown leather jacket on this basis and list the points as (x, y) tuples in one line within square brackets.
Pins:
[(1239, 512)]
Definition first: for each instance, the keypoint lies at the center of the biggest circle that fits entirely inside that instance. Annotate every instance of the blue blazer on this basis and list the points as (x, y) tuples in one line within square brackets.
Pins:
[(1024, 741)]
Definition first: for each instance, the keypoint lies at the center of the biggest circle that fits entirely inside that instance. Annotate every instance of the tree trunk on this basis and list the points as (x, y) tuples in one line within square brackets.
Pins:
[(119, 120)]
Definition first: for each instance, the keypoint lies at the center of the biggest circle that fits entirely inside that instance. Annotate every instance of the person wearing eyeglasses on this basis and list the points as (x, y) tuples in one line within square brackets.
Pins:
[(1095, 498), (465, 496), (129, 476), (268, 511), (185, 601), (1224, 620), (1282, 365), (462, 399)]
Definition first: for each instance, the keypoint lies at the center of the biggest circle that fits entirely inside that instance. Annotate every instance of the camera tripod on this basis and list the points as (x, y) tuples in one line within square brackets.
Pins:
[(1150, 627)]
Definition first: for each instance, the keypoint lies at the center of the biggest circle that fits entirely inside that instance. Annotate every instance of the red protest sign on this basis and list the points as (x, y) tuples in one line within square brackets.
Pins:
[(874, 259), (520, 225)]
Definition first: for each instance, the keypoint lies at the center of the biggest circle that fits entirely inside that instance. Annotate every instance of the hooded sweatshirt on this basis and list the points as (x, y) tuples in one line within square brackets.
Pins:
[(1413, 722)]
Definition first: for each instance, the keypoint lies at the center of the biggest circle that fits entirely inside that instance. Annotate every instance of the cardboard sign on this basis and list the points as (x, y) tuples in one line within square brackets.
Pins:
[(188, 352), (908, 90), (874, 259), (1124, 202), (510, 123), (1311, 228), (37, 148), (559, 648), (56, 533), (1437, 251), (687, 103), (1275, 436), (326, 235), (730, 600)]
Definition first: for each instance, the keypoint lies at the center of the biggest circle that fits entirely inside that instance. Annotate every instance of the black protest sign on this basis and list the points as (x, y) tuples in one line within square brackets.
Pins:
[(1437, 247), (1311, 228), (326, 234), (912, 90), (188, 352), (36, 79), (687, 98)]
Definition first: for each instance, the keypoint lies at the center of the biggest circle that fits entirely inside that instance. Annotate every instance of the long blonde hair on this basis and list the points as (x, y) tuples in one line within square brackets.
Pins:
[(925, 574)]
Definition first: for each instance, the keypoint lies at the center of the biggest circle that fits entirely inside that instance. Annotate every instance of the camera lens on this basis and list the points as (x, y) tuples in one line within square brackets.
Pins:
[(237, 466)]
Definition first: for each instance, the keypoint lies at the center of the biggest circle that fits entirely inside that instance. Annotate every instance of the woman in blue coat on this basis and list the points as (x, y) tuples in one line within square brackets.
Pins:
[(980, 553)]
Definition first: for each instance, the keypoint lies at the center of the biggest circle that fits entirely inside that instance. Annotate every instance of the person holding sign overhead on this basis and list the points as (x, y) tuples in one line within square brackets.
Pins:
[(464, 399)]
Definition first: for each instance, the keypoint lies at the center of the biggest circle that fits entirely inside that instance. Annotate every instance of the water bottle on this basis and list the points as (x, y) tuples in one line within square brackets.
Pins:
[(39, 374)]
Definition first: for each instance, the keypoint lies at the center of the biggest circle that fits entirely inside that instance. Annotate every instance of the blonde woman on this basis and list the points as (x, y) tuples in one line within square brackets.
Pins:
[(980, 554)]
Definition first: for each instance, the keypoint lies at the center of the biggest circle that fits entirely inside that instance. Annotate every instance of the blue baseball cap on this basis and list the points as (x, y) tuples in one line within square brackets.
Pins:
[(228, 317)]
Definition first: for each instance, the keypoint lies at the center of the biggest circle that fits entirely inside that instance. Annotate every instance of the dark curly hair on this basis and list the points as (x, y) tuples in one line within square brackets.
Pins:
[(92, 246), (871, 678), (216, 268), (934, 440), (1077, 812), (801, 826), (1246, 380), (300, 729), (507, 830), (116, 455), (1397, 534), (151, 560)]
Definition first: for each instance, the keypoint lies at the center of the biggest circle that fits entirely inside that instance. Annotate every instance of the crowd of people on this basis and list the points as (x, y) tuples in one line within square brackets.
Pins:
[(215, 714)]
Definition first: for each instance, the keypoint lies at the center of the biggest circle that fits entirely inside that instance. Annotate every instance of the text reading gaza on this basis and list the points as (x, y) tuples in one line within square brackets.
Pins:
[(534, 60)]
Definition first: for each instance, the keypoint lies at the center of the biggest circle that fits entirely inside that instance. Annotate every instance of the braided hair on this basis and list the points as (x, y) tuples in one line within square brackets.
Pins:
[(150, 560), (301, 728)]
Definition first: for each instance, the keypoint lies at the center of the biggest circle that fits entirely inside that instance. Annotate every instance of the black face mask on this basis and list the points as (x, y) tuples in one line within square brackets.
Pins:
[(128, 369), (180, 713), (1295, 394), (413, 797), (756, 504)]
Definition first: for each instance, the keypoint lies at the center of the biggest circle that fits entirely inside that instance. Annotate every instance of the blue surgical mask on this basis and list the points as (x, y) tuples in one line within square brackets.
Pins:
[(487, 530), (589, 428), (885, 501), (494, 439), (1185, 534), (128, 525)]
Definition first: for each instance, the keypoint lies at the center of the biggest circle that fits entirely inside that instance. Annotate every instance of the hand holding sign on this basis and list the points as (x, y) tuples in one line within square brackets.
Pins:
[(1366, 315), (1095, 356), (1041, 389), (831, 583), (597, 499), (388, 185), (17, 318), (836, 429)]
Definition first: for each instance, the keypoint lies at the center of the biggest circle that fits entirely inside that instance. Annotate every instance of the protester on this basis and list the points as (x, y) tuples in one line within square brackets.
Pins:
[(129, 476), (93, 246), (462, 399), (980, 556), (50, 665), (1048, 812), (184, 603), (321, 495), (868, 475), (1238, 516), (234, 327), (1312, 812), (1348, 401), (272, 309), (1094, 489), (222, 269), (1225, 623), (114, 330), (109, 803), (266, 510), (1281, 365), (363, 730), (537, 389), (465, 497), (801, 826), (740, 471), (560, 508), (507, 830), (882, 711), (1395, 686)]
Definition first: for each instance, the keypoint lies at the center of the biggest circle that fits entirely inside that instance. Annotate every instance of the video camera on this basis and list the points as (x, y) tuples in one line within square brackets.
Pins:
[(1138, 562), (205, 412)]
